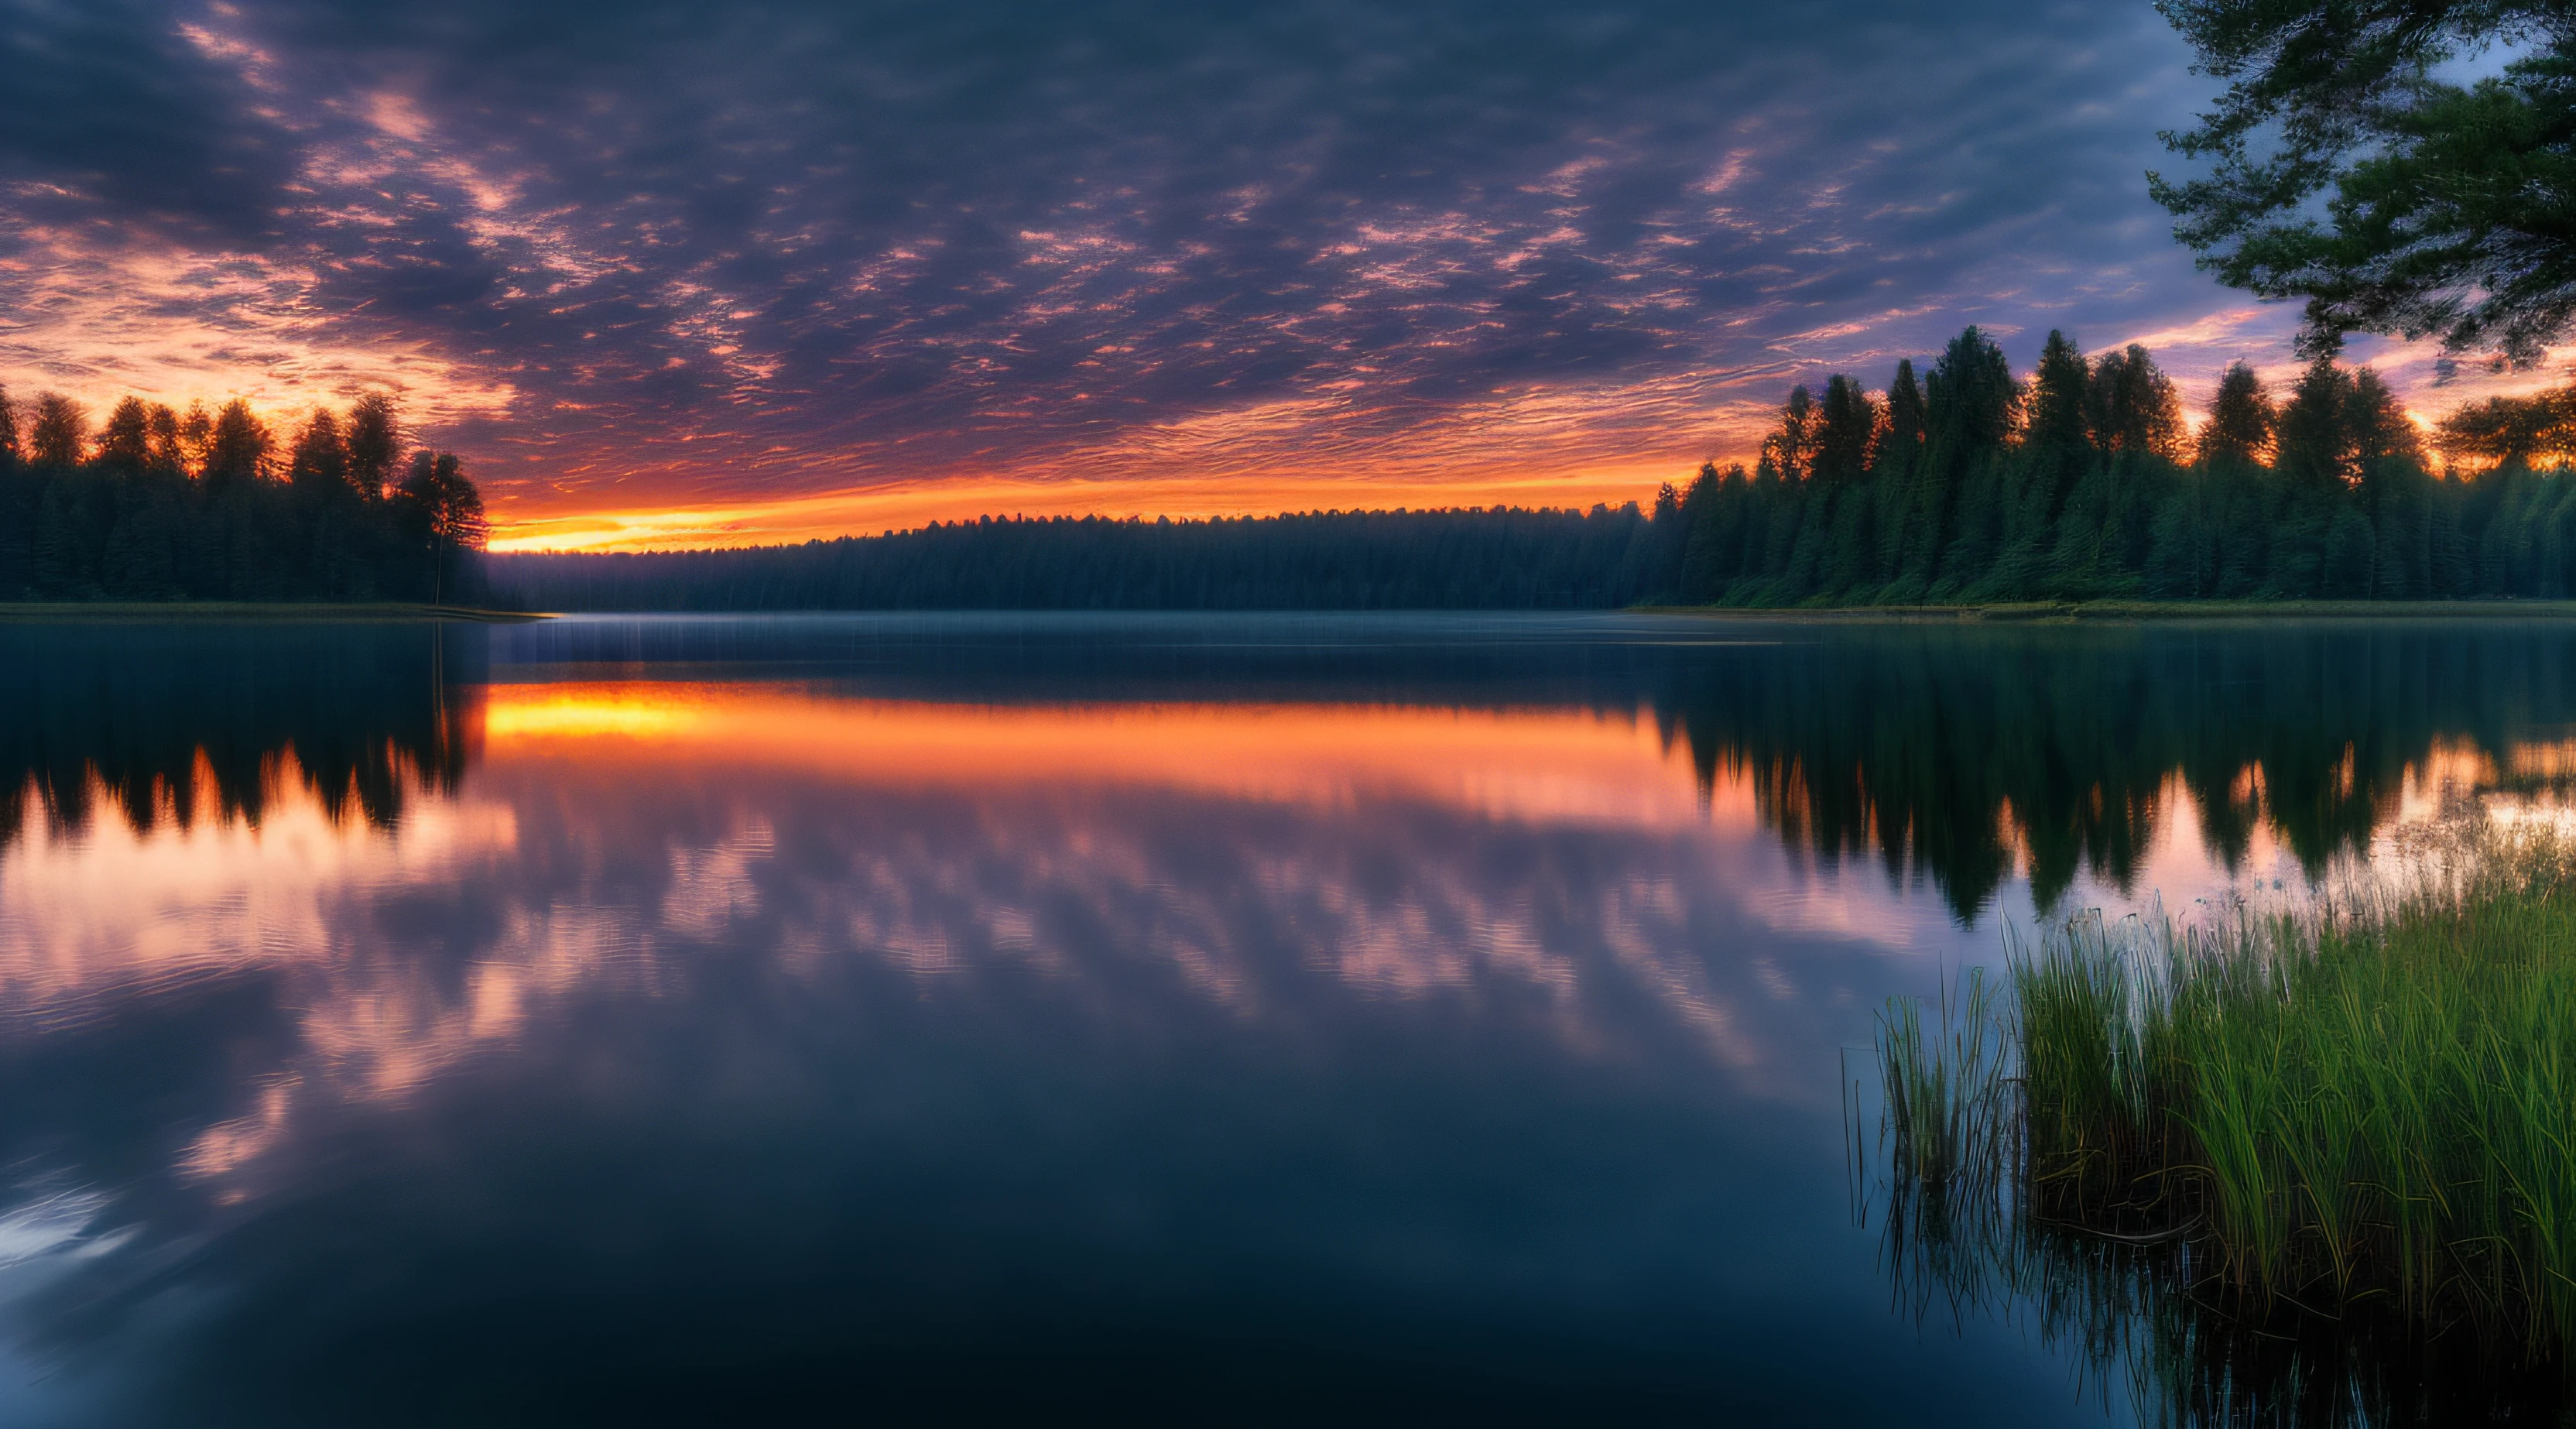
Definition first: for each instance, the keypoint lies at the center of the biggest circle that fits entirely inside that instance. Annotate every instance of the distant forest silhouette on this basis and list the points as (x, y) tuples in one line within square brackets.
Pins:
[(1964, 485), (1375, 560), (161, 505)]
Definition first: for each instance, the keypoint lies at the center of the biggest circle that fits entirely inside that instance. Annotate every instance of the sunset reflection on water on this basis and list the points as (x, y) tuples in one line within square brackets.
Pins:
[(611, 825), (1510, 987)]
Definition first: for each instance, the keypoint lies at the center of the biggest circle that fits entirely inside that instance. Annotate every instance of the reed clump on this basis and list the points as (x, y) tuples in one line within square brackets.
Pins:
[(2360, 1111)]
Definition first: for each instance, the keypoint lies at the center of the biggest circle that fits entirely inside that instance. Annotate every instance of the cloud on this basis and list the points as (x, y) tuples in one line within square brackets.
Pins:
[(644, 258)]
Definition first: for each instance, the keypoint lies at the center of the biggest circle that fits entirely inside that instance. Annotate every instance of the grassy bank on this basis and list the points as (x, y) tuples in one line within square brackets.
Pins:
[(2131, 610), (2359, 1117), (130, 611)]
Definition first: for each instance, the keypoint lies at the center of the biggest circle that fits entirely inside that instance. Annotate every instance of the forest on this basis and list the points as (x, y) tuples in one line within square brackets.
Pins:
[(1374, 560), (1963, 484), (2085, 482), (158, 505)]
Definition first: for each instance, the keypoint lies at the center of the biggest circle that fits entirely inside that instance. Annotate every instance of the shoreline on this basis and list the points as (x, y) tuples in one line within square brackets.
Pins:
[(2006, 612), (2075, 612), (138, 611)]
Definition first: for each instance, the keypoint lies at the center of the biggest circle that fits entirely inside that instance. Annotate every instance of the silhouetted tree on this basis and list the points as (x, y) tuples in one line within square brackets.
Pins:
[(58, 436), (171, 507), (237, 448), (374, 441), (444, 514)]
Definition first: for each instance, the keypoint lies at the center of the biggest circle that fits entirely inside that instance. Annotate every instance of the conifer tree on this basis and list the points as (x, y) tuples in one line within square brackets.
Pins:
[(2315, 446), (167, 453), (1900, 459), (2241, 421), (1972, 406), (1905, 417), (238, 447), (196, 438), (2057, 400), (1846, 432), (2132, 407), (125, 443), (375, 441), (58, 436)]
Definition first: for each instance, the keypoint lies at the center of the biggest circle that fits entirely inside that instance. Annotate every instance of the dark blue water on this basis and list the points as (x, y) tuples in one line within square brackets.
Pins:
[(922, 1019)]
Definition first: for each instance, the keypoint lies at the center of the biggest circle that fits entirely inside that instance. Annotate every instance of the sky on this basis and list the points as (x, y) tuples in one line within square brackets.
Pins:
[(720, 274)]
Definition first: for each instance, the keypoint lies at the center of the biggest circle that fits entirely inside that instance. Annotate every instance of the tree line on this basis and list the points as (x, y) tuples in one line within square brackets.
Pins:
[(160, 505), (1497, 559), (2082, 482), (1963, 484)]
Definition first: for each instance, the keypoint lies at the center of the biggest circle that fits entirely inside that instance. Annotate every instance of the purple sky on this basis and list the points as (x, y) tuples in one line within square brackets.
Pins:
[(717, 273)]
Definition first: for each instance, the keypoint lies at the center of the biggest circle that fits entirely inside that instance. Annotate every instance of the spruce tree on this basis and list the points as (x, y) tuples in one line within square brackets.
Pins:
[(58, 434), (237, 447), (1846, 433), (125, 443), (2241, 421)]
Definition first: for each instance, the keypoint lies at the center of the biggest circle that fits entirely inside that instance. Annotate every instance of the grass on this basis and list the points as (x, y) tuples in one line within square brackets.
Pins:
[(2353, 1121)]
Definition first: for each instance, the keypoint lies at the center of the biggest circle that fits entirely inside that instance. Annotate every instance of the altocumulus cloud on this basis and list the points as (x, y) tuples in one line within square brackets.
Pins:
[(765, 262)]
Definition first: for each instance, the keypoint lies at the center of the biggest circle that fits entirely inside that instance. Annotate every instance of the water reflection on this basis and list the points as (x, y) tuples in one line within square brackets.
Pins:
[(1969, 752), (642, 1021), (2155, 1322), (179, 723)]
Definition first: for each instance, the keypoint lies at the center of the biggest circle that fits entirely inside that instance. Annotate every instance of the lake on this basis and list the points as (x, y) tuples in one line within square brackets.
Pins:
[(921, 1018)]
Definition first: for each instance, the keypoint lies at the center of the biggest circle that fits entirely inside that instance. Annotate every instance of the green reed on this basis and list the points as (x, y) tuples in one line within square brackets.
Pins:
[(2365, 1106)]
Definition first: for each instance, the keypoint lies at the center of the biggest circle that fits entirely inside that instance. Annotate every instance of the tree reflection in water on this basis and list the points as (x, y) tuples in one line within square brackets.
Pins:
[(1956, 752), (171, 723)]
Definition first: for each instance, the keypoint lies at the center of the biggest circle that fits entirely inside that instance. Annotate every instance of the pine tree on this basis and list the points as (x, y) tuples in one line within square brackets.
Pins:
[(237, 448), (125, 443), (58, 437), (1847, 427), (375, 440), (2239, 432), (1972, 406)]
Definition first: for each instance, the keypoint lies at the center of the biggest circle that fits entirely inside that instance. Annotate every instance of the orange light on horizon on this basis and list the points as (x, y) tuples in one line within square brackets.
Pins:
[(867, 511), (1549, 765)]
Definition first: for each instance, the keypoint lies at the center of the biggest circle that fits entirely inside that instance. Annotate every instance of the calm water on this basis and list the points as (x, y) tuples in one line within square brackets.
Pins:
[(717, 1021)]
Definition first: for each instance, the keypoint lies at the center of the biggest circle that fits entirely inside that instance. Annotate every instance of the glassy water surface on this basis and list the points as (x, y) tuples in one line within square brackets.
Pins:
[(637, 1021)]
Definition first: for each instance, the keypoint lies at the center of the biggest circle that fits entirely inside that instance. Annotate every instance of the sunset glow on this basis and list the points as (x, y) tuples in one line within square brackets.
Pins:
[(1032, 323)]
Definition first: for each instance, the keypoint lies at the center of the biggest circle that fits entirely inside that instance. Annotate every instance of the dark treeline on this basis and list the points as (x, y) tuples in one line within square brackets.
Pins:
[(2083, 482), (1963, 484), (160, 505), (1378, 560), (164, 723)]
